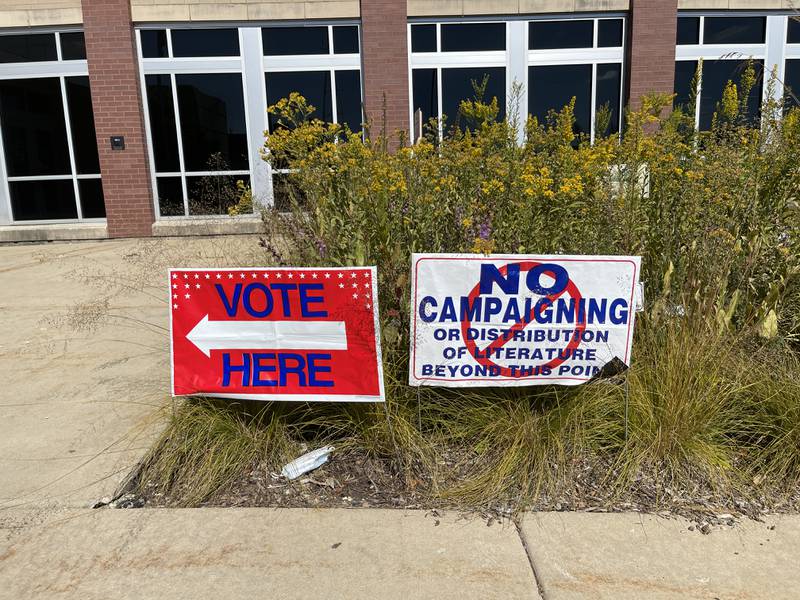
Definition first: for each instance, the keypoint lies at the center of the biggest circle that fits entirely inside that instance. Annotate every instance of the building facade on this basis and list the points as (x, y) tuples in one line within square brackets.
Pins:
[(127, 118)]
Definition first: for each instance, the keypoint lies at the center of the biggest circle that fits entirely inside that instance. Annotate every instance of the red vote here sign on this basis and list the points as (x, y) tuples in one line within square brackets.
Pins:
[(304, 334)]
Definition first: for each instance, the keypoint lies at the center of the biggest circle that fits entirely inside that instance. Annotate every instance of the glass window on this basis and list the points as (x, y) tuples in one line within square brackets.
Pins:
[(685, 71), (793, 31), (81, 117), (285, 192), (163, 134), (345, 39), (791, 82), (609, 33), (205, 42), (73, 45), (423, 38), (458, 84), (286, 41), (734, 30), (92, 204), (608, 90), (28, 47), (547, 35), (213, 128), (43, 200), (213, 194), (170, 196), (154, 43), (688, 31), (314, 86), (34, 132), (473, 37), (716, 74), (553, 87), (426, 95), (348, 98)]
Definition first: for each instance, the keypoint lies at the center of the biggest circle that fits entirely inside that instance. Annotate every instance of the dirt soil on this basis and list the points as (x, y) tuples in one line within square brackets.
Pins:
[(358, 481)]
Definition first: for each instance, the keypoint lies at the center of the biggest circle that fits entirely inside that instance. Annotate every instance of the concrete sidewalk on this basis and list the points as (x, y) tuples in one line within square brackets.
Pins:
[(78, 410)]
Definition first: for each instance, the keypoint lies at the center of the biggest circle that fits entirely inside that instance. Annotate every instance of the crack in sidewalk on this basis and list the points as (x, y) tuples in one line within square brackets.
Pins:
[(536, 578)]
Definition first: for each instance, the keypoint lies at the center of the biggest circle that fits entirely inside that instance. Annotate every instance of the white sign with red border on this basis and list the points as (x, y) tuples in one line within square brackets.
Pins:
[(515, 320)]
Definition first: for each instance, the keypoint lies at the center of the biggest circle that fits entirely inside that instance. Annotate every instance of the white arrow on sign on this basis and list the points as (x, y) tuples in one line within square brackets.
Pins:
[(268, 335)]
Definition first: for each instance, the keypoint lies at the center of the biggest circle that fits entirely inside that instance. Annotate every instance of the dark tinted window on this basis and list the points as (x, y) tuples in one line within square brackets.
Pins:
[(283, 41), (423, 38), (734, 30), (213, 126), (285, 192), (609, 33), (81, 118), (716, 74), (457, 85), (154, 43), (545, 35), (73, 46), (345, 39), (467, 37), (314, 86), (553, 87), (685, 71), (348, 98), (426, 95), (793, 32), (170, 196), (34, 133), (40, 200), (213, 194), (609, 82), (92, 204), (28, 47), (791, 80), (688, 31), (162, 123), (205, 42)]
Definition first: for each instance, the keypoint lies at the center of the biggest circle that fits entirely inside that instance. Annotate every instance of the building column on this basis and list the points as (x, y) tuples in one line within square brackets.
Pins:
[(117, 102), (651, 49), (384, 66)]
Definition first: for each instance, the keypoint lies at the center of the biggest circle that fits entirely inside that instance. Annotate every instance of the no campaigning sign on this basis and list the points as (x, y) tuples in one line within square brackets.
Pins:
[(305, 334), (521, 319)]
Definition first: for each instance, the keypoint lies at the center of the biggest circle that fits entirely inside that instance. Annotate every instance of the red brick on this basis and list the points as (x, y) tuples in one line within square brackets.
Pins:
[(116, 99), (651, 54)]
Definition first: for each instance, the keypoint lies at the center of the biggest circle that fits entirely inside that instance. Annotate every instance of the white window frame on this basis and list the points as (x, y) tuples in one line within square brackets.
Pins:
[(593, 56), (173, 66), (59, 69), (517, 58), (773, 52), (329, 62)]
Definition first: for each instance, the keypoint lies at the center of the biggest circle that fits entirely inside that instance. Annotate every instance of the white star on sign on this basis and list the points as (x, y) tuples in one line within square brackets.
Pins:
[(241, 275), (174, 275), (219, 276), (279, 275), (230, 275), (291, 275), (266, 275), (327, 275), (355, 295), (208, 276), (352, 275), (187, 286), (175, 296), (340, 275), (366, 285), (196, 276), (255, 275), (187, 296), (185, 276), (313, 276), (341, 285), (368, 306), (174, 286), (197, 285), (302, 275), (355, 285), (174, 306)]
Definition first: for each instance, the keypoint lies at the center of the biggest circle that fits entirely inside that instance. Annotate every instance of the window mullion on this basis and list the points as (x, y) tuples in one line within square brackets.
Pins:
[(179, 134), (70, 147)]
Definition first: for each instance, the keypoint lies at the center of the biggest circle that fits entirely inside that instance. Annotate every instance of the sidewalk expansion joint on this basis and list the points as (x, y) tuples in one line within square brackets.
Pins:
[(536, 578)]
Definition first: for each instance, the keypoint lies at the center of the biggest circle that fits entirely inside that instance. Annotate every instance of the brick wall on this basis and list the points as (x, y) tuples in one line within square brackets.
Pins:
[(116, 98), (384, 70), (653, 26)]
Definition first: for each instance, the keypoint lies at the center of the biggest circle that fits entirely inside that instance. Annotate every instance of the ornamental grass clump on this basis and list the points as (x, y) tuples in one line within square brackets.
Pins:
[(711, 400)]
